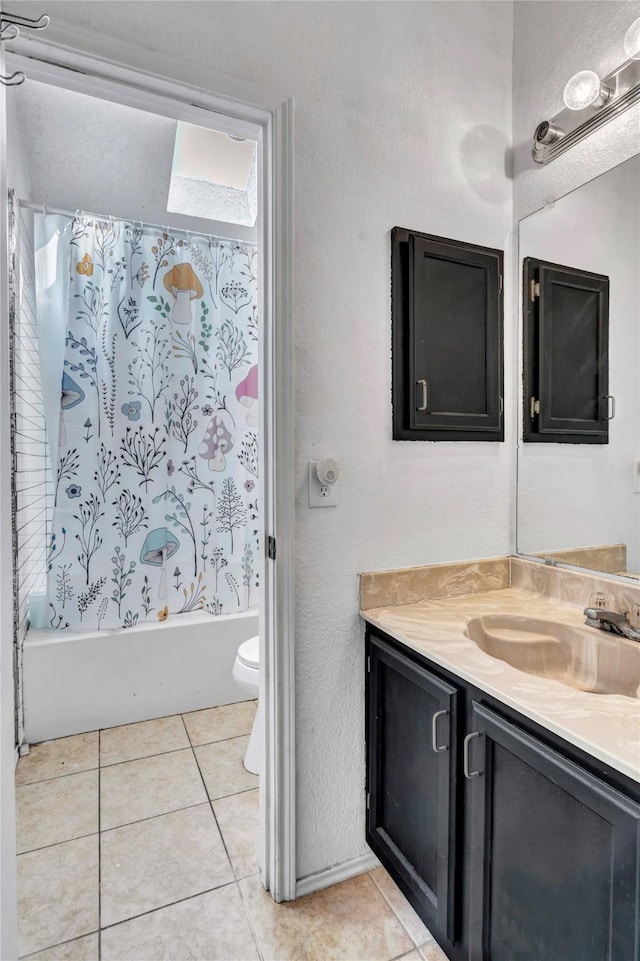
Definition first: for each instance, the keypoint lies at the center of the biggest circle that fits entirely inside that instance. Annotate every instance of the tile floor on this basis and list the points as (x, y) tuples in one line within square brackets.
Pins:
[(140, 842)]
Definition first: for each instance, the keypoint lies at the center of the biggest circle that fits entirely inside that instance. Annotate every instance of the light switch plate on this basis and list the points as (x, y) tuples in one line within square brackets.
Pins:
[(321, 495), (636, 477)]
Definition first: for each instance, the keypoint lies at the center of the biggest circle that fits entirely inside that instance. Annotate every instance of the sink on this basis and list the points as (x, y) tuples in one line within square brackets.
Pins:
[(580, 657)]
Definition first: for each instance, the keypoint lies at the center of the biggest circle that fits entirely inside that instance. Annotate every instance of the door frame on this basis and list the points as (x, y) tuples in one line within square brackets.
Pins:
[(81, 60)]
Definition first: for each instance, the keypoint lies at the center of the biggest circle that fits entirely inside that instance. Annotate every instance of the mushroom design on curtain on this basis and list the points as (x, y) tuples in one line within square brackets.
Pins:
[(157, 491)]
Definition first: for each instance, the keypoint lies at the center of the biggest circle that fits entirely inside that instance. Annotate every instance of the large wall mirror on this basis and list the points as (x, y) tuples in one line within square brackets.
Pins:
[(579, 502)]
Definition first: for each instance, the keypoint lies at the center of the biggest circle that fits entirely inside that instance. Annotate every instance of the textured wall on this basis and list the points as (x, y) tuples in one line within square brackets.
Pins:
[(402, 116), (552, 41)]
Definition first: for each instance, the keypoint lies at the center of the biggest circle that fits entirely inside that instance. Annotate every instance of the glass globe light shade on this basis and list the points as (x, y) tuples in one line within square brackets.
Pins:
[(632, 41), (584, 90)]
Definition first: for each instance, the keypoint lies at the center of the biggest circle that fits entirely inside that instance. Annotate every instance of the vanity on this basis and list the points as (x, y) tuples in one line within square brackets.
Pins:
[(503, 758)]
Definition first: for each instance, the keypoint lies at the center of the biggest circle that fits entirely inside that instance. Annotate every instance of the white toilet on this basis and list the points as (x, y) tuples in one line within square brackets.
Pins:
[(246, 674)]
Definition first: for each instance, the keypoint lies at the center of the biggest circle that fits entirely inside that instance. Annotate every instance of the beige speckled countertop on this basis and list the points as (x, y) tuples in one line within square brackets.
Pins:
[(606, 726)]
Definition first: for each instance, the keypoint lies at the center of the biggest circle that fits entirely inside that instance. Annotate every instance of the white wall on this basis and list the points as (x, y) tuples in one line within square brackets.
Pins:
[(572, 495), (402, 116)]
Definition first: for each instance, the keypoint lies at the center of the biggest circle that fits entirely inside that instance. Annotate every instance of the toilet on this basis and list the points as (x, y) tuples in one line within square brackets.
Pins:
[(246, 674)]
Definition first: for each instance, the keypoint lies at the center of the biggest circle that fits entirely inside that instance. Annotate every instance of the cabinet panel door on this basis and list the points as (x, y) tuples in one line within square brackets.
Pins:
[(410, 818), (554, 854), (567, 354), (447, 339)]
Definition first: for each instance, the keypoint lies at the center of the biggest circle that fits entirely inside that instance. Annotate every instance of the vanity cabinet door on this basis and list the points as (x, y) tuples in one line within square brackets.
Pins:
[(411, 740), (554, 853)]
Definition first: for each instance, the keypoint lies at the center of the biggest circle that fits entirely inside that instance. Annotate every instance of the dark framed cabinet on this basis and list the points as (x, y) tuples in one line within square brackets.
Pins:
[(509, 842), (411, 794), (554, 854), (447, 339), (566, 355)]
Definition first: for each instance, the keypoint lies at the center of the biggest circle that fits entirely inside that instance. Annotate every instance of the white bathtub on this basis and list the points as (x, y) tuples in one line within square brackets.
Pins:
[(76, 682)]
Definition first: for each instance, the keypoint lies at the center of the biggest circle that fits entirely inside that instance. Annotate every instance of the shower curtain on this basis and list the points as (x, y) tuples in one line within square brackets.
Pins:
[(149, 342)]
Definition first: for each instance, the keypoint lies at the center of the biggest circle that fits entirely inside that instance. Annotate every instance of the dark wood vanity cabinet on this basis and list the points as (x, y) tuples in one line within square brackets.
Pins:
[(411, 793), (447, 335), (553, 864), (506, 844)]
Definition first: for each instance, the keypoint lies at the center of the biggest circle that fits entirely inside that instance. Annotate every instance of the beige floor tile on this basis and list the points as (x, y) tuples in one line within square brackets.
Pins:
[(222, 767), (82, 949), (156, 862), (143, 739), (67, 755), (237, 817), (412, 956), (149, 786), (347, 922), (432, 952), (48, 812), (417, 930), (220, 723), (211, 926), (57, 894)]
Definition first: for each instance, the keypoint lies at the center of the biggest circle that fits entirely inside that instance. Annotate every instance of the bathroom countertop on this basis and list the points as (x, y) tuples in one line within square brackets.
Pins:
[(606, 726)]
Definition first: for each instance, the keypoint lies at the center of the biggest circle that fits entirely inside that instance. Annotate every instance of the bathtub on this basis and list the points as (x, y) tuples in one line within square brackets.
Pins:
[(77, 682)]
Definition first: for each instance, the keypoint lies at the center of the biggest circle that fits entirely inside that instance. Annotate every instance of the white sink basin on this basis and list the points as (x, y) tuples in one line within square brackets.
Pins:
[(580, 657)]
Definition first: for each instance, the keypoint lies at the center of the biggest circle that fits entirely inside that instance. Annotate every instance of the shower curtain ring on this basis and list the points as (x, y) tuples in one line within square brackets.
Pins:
[(13, 80)]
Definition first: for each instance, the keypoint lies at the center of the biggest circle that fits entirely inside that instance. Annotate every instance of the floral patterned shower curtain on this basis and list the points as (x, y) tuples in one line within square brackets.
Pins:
[(156, 480)]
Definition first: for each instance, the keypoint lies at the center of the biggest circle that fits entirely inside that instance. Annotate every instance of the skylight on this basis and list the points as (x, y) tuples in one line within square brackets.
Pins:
[(213, 176)]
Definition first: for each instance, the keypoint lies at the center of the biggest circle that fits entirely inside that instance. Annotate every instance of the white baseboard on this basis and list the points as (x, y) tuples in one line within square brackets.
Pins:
[(336, 873)]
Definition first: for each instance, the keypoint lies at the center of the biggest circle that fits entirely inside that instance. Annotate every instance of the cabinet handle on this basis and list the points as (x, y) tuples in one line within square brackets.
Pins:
[(610, 416), (434, 732), (423, 384), (465, 756)]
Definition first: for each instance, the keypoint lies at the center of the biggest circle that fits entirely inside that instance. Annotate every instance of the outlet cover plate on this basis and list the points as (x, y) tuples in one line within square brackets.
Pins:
[(321, 495)]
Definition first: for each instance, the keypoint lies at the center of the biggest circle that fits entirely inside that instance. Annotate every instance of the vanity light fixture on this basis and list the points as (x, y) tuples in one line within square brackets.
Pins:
[(585, 89), (632, 41), (590, 102)]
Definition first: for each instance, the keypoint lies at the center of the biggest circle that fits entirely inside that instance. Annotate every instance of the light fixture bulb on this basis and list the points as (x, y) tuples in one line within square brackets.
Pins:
[(632, 41), (585, 89)]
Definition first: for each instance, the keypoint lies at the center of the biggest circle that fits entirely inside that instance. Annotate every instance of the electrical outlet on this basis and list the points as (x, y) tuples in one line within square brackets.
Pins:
[(321, 495)]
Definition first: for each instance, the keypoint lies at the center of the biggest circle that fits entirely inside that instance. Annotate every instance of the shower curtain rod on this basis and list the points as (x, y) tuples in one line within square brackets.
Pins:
[(44, 208)]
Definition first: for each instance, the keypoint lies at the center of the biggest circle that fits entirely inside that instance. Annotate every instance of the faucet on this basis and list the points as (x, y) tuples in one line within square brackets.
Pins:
[(615, 623)]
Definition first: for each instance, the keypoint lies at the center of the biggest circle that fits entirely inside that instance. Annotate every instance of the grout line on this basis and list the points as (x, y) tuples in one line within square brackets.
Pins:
[(170, 904), (146, 757), (221, 740), (58, 944), (153, 817), (55, 844), (56, 777), (246, 790), (247, 915), (400, 921), (213, 813)]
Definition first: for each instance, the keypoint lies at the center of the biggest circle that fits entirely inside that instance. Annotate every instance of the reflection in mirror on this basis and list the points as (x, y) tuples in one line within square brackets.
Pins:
[(580, 503)]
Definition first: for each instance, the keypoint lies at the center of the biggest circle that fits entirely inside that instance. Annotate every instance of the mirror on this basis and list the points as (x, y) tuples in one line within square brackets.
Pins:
[(579, 503)]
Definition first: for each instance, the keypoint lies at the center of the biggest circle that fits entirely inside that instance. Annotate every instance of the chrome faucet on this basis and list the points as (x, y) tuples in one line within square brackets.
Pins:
[(615, 623)]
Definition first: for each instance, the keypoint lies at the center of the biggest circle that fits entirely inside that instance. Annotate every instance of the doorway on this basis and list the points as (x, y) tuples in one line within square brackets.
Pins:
[(89, 67)]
